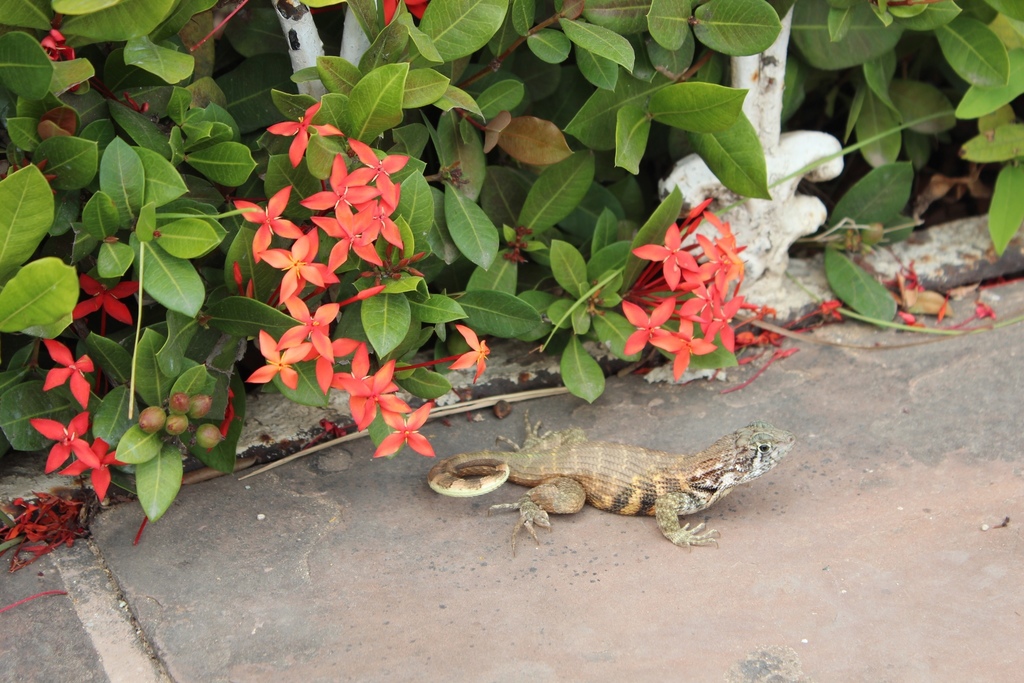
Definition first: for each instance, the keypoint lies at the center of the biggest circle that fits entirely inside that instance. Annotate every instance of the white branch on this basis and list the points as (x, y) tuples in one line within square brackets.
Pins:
[(304, 44), (354, 42)]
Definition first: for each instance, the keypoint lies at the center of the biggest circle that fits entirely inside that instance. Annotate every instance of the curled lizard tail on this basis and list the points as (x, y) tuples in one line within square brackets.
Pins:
[(449, 477)]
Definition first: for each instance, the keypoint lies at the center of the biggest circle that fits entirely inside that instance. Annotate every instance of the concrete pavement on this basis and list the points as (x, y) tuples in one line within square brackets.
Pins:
[(862, 557)]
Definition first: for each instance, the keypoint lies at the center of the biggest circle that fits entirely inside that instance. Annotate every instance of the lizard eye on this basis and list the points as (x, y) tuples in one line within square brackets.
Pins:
[(764, 448)]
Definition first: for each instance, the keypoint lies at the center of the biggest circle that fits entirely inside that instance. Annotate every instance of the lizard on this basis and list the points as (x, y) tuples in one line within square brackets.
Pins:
[(565, 470)]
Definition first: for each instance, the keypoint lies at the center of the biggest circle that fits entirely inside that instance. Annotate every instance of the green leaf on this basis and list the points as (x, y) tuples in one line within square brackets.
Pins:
[(241, 316), (375, 103), (736, 157), (865, 39), (503, 194), (471, 230), (226, 163), (28, 14), (549, 45), (423, 87), (876, 118), (307, 391), (505, 95), (622, 16), (111, 356), (594, 124), (337, 73), (438, 308), (456, 147), (27, 400), (386, 319), (158, 480), (247, 88), (599, 40), (975, 52), (581, 373), (569, 268), (73, 160), (461, 27), (915, 99), (171, 281), (41, 293), (140, 128), (111, 420), (1006, 213), (668, 22), (424, 383), (697, 107), (114, 259), (456, 98), (122, 21), (190, 238), (498, 313), (878, 197), (1003, 143), (151, 383), (70, 73), (163, 182), (557, 191), (652, 232), (632, 129), (736, 27), (857, 288), (24, 66), (123, 179), (598, 70), (137, 447), (979, 101), (613, 330), (195, 380), (502, 276), (180, 331), (170, 65), (26, 213)]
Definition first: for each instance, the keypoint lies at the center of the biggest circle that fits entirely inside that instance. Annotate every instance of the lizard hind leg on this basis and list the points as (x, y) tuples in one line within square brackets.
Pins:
[(561, 495)]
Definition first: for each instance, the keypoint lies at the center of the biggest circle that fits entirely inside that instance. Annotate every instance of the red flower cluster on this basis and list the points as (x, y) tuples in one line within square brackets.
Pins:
[(689, 282), (353, 213)]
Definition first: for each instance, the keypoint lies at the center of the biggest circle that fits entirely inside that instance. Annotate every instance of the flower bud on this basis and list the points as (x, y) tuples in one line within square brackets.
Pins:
[(199, 405), (176, 424), (208, 436), (152, 419), (178, 403)]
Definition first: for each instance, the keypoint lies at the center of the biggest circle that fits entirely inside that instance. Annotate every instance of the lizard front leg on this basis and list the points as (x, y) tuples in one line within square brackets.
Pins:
[(669, 506), (561, 495)]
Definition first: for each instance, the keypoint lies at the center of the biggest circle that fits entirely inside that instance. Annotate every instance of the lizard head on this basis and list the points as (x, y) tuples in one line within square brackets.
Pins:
[(764, 445)]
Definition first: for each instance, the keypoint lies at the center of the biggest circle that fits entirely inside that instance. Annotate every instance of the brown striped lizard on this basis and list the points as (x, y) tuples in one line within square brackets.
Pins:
[(565, 470)]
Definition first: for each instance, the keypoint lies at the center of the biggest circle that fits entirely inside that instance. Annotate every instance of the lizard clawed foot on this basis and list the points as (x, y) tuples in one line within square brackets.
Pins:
[(529, 514), (687, 537)]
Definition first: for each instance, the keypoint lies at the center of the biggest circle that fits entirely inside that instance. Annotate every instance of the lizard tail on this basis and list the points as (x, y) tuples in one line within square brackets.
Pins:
[(461, 478)]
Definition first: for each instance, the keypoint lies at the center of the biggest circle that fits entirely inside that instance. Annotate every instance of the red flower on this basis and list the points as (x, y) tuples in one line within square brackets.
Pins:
[(99, 461), (56, 49), (416, 8), (270, 221), (299, 266), (69, 438), (279, 362), (478, 356), (347, 188), (392, 163), (679, 264), (104, 298), (366, 391), (682, 345), (300, 129), (356, 232), (73, 370), (647, 328), (723, 255), (406, 432)]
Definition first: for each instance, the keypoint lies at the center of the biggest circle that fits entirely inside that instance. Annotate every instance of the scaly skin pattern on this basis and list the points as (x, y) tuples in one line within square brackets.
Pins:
[(565, 470)]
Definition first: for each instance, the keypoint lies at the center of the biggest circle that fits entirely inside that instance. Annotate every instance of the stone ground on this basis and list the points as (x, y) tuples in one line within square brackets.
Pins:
[(863, 557)]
